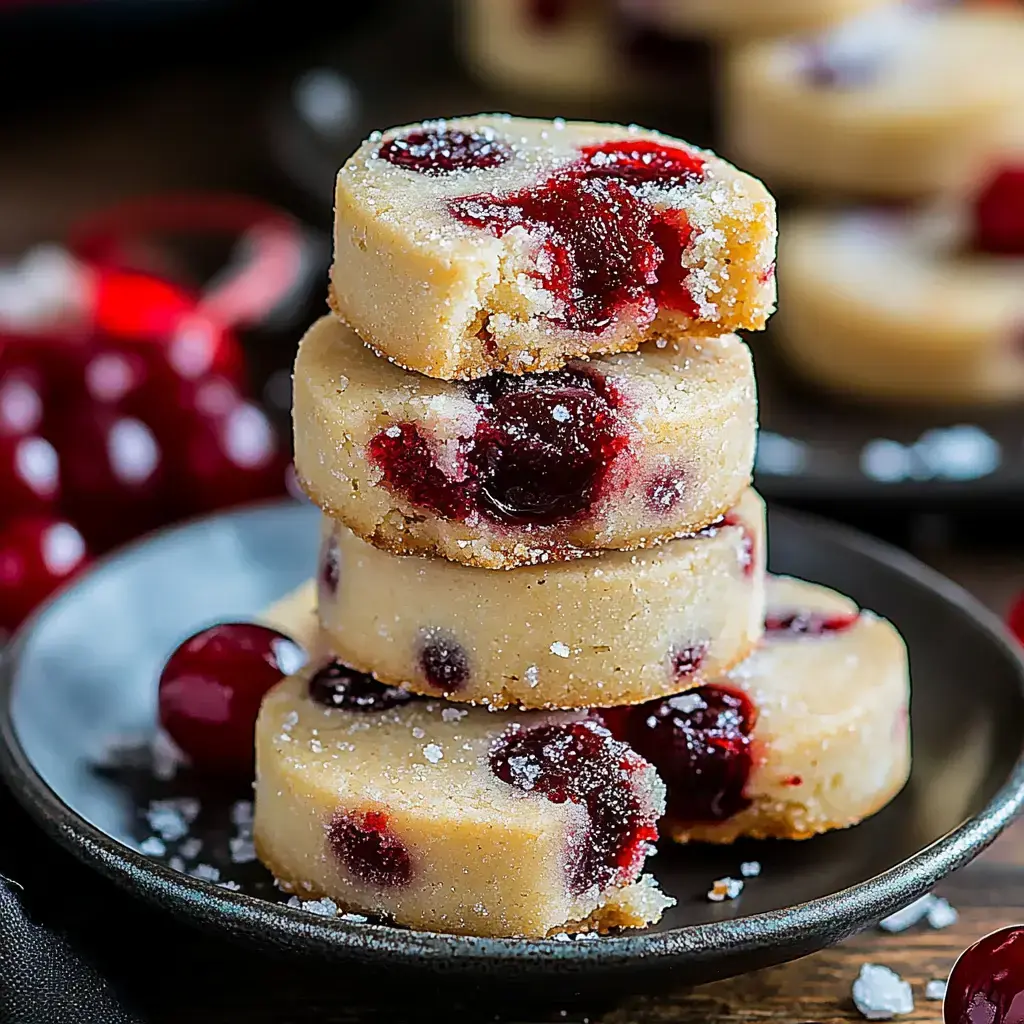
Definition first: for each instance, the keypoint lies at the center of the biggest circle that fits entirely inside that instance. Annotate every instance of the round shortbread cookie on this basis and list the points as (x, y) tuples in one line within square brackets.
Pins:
[(618, 628), (444, 818), (619, 452), (811, 733), (893, 105), (879, 306), (500, 243)]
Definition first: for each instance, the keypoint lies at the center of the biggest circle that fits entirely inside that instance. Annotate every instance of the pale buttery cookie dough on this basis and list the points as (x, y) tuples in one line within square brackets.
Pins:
[(500, 243), (904, 307), (891, 105), (727, 21), (452, 819), (618, 628), (619, 452), (566, 50), (811, 733)]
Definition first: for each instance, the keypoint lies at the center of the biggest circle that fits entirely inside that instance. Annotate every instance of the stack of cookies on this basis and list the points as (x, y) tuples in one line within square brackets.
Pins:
[(542, 595)]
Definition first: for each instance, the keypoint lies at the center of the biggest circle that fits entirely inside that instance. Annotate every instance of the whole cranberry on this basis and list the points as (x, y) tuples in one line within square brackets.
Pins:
[(229, 459), (211, 689), (987, 982), (37, 555), (21, 402), (29, 476), (998, 213), (113, 475)]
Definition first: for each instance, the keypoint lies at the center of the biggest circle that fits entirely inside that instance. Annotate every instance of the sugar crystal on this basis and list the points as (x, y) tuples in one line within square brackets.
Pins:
[(881, 994)]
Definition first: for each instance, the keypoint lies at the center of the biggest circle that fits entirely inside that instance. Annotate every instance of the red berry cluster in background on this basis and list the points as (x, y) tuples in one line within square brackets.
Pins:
[(111, 431)]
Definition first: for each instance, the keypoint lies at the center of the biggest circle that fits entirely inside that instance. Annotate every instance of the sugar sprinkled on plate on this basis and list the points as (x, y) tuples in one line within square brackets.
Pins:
[(935, 990), (153, 847), (881, 994), (725, 889), (750, 868), (170, 818), (206, 872)]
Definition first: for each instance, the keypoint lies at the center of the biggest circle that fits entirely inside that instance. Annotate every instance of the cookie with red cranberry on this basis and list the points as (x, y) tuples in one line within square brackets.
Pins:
[(925, 306), (500, 243), (452, 819), (809, 734), (891, 105), (617, 628), (618, 452)]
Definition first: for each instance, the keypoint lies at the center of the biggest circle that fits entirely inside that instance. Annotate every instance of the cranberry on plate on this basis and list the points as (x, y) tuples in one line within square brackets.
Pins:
[(211, 689)]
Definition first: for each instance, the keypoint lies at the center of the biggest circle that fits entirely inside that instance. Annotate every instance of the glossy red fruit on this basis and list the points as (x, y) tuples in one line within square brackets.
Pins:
[(999, 213), (987, 982), (211, 688), (21, 402), (230, 459), (113, 475), (1015, 618), (37, 555), (29, 476)]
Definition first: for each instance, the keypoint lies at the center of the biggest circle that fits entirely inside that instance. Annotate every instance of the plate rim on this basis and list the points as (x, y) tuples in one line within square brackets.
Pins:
[(835, 916)]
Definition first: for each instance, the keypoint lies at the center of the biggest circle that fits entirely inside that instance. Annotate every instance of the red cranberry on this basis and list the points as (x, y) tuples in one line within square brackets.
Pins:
[(338, 686), (365, 844), (987, 982), (437, 151), (29, 476), (21, 402), (543, 445), (37, 555), (406, 459), (1015, 618), (113, 475), (806, 623), (211, 689), (541, 452), (686, 661), (999, 213), (444, 664), (330, 565), (581, 763), (700, 743), (604, 242), (231, 460)]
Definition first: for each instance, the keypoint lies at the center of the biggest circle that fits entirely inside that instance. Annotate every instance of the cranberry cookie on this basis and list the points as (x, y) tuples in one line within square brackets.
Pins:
[(911, 306), (811, 733), (619, 452), (619, 628), (452, 819), (891, 105), (500, 243)]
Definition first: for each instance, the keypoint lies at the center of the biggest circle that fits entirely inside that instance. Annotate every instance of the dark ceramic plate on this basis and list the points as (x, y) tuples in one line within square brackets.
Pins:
[(83, 673)]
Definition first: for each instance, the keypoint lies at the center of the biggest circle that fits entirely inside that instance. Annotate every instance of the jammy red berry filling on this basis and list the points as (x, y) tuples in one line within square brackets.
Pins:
[(437, 152), (335, 685), (606, 246), (582, 763), (541, 452), (365, 844), (998, 214), (805, 623), (700, 743)]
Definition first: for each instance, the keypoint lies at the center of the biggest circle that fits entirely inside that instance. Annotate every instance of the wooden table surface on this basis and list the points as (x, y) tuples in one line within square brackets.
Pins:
[(172, 134)]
